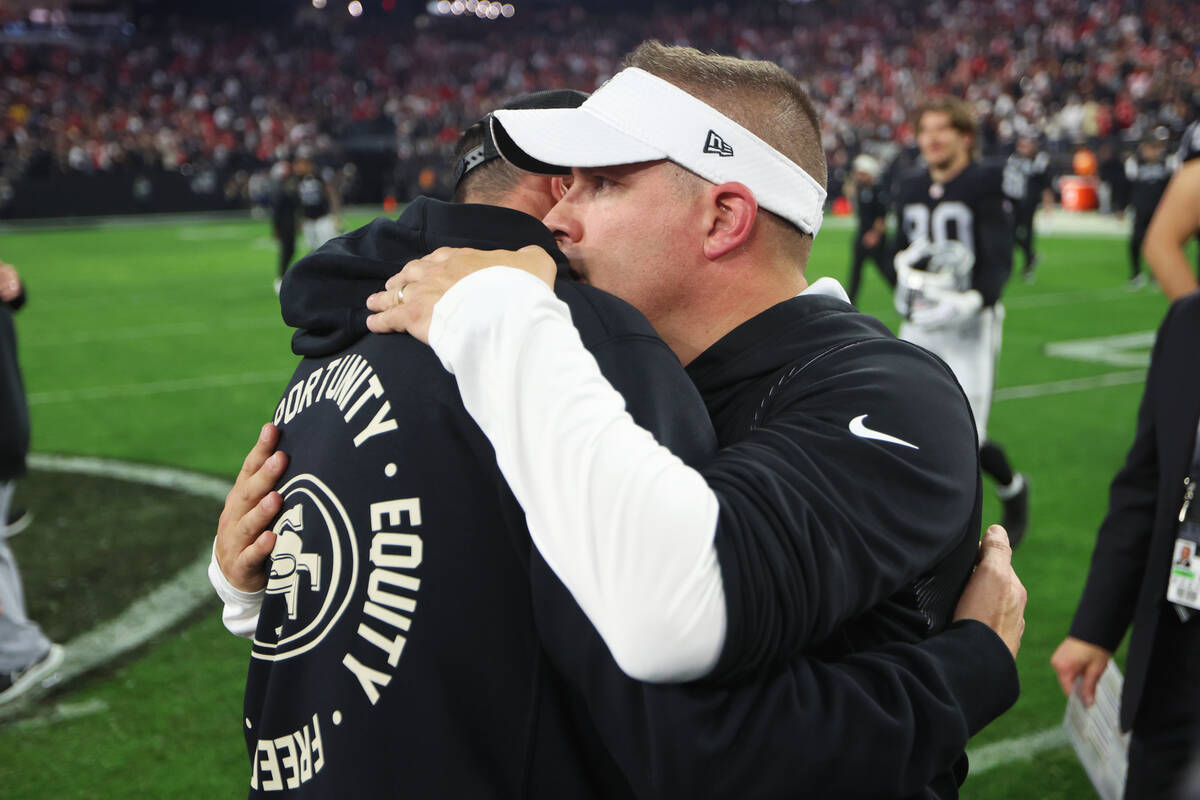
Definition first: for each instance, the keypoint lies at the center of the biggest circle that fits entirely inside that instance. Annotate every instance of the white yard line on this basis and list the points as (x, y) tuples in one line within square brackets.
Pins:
[(1120, 350), (1053, 299), (62, 712), (1068, 386), (157, 387), (165, 477), (1022, 748), (135, 332)]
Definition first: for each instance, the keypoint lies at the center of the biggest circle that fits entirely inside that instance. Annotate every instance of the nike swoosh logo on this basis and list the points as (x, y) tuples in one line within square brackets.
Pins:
[(863, 432)]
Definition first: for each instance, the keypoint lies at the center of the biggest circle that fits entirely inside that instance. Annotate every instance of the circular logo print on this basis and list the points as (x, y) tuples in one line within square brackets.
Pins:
[(314, 567)]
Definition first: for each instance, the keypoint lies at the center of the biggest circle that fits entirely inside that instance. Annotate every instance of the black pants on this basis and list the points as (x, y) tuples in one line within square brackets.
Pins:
[(1023, 230), (1166, 732), (1140, 223), (878, 254), (287, 246)]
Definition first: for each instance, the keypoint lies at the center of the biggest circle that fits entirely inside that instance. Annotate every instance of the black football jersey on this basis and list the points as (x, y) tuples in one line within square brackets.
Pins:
[(1149, 180), (870, 204), (970, 208), (1024, 178), (313, 200)]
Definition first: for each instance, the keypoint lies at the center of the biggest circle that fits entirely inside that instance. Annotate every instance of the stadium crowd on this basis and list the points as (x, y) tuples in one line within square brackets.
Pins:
[(223, 103)]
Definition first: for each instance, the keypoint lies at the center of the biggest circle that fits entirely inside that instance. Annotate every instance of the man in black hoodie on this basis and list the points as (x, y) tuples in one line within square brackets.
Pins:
[(424, 675)]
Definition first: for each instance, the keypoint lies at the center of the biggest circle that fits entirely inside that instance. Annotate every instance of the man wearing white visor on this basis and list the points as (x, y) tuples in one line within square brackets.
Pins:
[(843, 510)]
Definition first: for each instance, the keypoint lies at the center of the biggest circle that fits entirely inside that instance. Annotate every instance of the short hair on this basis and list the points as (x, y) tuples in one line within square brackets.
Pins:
[(490, 182), (761, 96), (962, 118)]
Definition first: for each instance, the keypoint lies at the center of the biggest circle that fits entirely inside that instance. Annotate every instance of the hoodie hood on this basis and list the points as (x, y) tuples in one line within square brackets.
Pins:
[(324, 295)]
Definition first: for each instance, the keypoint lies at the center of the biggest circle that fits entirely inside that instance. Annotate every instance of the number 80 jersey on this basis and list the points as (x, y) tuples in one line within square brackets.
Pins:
[(969, 208)]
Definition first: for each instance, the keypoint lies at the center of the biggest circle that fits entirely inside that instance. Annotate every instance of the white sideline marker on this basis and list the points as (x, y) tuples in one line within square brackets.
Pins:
[(1068, 386), (1022, 748), (62, 712)]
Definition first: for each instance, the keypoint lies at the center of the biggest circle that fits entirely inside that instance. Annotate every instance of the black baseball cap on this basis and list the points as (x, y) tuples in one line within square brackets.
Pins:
[(478, 156)]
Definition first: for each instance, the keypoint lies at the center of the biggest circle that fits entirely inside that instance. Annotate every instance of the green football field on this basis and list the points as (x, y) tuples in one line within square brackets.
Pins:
[(161, 343)]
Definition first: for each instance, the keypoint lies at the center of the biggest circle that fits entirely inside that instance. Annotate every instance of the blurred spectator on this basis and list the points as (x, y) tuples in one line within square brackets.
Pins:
[(285, 208), (1114, 186), (320, 202), (1026, 184), (870, 241), (1148, 173)]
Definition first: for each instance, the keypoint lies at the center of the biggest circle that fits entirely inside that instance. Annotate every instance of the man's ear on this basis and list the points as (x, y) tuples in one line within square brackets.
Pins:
[(559, 185), (732, 211)]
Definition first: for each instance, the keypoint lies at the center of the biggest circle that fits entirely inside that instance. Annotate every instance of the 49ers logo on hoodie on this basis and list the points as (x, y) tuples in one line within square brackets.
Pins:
[(314, 567)]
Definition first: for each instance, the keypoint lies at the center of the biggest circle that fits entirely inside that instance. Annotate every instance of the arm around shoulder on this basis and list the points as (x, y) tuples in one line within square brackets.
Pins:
[(624, 523)]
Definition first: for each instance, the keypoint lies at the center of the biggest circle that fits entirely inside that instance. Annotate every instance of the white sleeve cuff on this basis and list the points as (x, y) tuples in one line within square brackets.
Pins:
[(625, 525), (241, 608)]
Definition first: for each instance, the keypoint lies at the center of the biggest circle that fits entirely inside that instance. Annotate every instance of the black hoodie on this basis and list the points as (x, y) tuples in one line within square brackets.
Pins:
[(396, 653)]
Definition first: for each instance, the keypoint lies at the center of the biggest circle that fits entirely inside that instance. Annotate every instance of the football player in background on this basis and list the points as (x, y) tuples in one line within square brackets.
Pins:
[(1026, 182), (870, 241), (285, 203), (1148, 173), (320, 204), (958, 314)]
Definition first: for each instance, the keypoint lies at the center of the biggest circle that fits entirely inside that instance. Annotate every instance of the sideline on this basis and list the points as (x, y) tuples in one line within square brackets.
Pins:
[(161, 610)]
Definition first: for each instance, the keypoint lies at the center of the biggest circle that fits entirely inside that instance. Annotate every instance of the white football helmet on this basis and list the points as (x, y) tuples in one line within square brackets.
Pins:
[(925, 270)]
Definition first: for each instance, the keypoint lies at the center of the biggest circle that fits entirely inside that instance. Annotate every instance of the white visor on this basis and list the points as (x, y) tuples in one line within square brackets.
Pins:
[(637, 117)]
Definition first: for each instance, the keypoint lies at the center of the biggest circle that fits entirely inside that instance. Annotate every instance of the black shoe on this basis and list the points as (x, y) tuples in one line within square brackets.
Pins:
[(18, 682), (18, 520), (1030, 273), (1016, 512)]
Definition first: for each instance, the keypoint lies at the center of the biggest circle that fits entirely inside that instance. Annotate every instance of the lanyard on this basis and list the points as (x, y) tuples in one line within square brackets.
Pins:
[(1183, 583), (1189, 483)]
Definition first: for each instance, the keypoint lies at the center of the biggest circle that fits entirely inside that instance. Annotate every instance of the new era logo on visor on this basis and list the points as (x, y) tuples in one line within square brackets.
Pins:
[(715, 144)]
